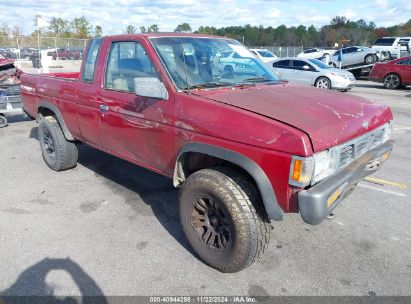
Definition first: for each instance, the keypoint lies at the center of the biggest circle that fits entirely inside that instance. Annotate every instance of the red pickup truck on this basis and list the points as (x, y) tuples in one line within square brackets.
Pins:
[(243, 147)]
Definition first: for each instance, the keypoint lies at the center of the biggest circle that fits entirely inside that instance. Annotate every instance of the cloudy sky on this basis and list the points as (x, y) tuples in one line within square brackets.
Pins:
[(115, 15)]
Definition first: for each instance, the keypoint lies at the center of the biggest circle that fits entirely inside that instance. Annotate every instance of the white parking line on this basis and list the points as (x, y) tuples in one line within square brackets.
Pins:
[(382, 190)]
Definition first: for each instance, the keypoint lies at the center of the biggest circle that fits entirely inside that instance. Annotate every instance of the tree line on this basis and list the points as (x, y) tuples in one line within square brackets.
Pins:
[(340, 30)]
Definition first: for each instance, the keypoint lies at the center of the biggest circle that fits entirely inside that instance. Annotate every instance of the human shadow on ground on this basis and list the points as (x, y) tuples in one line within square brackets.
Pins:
[(31, 286)]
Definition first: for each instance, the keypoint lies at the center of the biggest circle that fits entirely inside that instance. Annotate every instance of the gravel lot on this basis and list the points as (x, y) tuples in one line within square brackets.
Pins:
[(110, 228)]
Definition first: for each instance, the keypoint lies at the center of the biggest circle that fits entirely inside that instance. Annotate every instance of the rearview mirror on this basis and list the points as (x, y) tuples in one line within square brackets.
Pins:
[(306, 67), (150, 87)]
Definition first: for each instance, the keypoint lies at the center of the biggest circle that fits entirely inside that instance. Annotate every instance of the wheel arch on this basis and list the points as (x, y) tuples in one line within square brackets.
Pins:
[(389, 73), (326, 77), (258, 176), (392, 73), (46, 109)]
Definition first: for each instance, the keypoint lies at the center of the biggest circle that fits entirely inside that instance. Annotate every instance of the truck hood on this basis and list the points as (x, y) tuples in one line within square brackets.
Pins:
[(328, 118)]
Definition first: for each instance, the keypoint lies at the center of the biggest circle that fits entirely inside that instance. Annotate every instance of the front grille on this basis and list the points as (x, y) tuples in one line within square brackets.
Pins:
[(377, 137), (355, 148), (362, 147), (346, 155)]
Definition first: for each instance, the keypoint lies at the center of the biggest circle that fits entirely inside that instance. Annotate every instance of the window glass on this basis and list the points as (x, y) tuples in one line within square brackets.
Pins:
[(406, 61), (91, 58), (236, 55), (310, 51), (203, 63), (319, 63), (298, 65), (384, 41), (127, 61), (266, 54), (282, 64)]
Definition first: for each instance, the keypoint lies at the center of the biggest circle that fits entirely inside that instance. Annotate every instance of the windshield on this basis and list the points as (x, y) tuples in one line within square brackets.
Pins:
[(319, 63), (197, 63)]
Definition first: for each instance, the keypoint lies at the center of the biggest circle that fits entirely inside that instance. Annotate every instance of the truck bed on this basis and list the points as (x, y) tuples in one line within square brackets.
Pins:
[(55, 88)]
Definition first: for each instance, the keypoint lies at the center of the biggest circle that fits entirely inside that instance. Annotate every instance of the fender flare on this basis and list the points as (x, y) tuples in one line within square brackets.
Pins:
[(272, 208), (59, 117)]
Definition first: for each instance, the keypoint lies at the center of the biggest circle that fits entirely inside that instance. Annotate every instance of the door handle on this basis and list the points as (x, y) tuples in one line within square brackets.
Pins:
[(104, 108)]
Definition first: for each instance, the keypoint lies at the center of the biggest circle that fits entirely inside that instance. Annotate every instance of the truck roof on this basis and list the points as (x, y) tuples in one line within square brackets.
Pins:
[(165, 34)]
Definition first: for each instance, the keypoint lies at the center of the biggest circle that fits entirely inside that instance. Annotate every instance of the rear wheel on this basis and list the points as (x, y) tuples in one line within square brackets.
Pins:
[(323, 83), (392, 81), (223, 219), (58, 153), (369, 59), (3, 121)]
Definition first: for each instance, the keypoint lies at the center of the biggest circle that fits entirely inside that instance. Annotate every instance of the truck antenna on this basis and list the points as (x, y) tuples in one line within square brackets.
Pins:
[(185, 69)]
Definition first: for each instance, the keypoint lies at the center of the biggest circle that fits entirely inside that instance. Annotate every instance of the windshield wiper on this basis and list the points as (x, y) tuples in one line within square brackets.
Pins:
[(207, 85), (257, 79)]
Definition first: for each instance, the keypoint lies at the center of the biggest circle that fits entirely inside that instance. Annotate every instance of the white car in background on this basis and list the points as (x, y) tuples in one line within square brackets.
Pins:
[(394, 46), (313, 72), (264, 55), (231, 62), (315, 53)]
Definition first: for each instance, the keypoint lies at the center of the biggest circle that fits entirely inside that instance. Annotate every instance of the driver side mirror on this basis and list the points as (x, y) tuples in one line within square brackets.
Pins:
[(306, 67), (150, 87), (359, 50)]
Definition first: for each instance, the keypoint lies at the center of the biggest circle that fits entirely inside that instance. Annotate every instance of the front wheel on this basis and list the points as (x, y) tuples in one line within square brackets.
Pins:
[(392, 81), (3, 121), (58, 153), (323, 83), (223, 219)]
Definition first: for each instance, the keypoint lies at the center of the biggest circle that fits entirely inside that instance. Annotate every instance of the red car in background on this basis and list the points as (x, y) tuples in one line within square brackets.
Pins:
[(393, 74), (65, 54)]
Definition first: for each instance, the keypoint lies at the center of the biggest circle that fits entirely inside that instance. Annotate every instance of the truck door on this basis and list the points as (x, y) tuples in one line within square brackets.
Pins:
[(132, 126), (88, 112)]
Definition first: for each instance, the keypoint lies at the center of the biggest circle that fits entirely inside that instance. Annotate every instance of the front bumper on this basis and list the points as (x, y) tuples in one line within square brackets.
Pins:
[(317, 202), (344, 84)]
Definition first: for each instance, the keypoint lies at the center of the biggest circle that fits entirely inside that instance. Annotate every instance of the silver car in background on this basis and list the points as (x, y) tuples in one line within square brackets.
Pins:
[(354, 55), (312, 72)]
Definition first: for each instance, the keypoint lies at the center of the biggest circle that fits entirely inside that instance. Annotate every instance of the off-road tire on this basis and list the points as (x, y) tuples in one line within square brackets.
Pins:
[(244, 209), (3, 121), (64, 154)]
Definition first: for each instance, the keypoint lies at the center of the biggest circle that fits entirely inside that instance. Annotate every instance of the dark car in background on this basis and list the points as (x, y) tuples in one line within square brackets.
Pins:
[(393, 74), (29, 53), (65, 54)]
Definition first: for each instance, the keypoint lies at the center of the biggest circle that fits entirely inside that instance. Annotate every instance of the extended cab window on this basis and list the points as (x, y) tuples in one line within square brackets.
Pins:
[(91, 58), (127, 62)]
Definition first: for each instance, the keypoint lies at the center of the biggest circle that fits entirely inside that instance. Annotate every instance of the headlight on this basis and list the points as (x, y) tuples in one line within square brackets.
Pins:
[(301, 172), (387, 132), (305, 171), (341, 76)]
